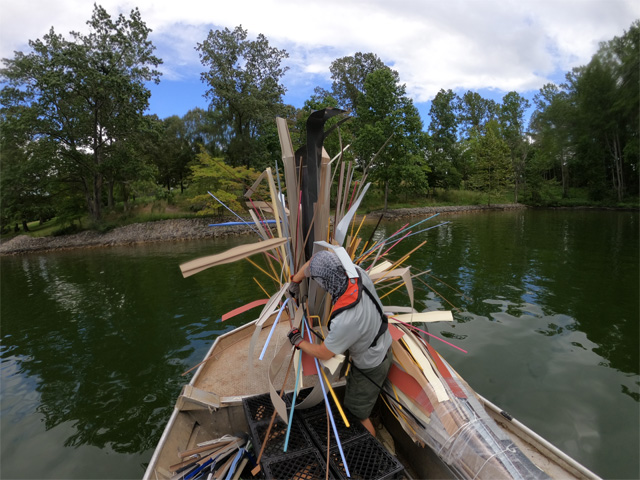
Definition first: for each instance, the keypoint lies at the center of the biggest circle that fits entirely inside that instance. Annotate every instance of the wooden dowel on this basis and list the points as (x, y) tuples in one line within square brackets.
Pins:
[(256, 470)]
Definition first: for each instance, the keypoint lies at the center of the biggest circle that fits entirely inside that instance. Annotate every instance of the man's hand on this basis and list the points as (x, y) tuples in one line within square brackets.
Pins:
[(294, 290), (295, 337)]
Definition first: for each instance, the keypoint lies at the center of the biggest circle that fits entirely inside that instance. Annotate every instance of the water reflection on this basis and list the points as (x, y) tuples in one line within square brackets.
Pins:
[(81, 339), (546, 264), (103, 339), (94, 342)]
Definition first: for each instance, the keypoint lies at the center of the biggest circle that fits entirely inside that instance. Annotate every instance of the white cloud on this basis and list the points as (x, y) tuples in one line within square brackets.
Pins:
[(459, 44)]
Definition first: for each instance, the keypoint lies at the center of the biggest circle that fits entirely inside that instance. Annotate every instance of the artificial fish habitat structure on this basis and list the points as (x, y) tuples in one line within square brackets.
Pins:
[(431, 402)]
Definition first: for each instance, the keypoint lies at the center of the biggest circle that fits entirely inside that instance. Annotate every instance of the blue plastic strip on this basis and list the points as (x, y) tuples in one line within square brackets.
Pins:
[(234, 464), (266, 344), (377, 244), (230, 224), (333, 423), (293, 404), (199, 469), (295, 394)]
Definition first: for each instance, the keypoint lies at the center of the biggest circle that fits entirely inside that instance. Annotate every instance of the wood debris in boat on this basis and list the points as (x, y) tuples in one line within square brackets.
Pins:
[(216, 458)]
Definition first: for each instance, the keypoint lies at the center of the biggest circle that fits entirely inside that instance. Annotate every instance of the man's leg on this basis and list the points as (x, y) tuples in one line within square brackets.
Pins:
[(369, 426)]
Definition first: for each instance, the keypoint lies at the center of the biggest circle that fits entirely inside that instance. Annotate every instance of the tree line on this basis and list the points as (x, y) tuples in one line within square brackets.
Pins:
[(75, 138)]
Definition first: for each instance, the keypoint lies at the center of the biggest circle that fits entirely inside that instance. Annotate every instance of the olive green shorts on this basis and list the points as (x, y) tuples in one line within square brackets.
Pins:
[(361, 393)]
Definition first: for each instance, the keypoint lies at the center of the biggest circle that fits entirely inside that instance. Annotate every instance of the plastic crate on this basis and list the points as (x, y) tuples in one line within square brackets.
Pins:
[(298, 438), (258, 408), (317, 424), (302, 394), (367, 459), (305, 465)]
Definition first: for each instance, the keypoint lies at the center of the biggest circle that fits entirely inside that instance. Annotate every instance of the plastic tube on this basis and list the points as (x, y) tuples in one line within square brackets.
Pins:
[(266, 344)]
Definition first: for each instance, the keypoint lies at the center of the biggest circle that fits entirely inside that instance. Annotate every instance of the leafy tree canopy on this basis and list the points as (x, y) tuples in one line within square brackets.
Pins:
[(493, 169), (245, 90), (389, 138), (85, 95), (212, 176), (349, 75)]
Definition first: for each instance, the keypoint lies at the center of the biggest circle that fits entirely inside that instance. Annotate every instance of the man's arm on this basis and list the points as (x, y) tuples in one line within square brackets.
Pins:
[(313, 349), (316, 350), (300, 274)]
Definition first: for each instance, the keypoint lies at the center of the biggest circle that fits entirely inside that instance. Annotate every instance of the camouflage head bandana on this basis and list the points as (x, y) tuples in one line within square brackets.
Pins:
[(326, 269)]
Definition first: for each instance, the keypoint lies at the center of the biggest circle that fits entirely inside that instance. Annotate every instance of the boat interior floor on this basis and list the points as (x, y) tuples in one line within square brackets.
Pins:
[(230, 373)]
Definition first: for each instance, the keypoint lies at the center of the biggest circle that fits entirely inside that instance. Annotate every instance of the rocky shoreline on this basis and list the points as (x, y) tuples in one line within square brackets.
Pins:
[(189, 229), (422, 211)]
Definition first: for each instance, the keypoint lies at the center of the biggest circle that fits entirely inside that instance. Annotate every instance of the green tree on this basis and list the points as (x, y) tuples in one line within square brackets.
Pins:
[(244, 90), (130, 163), (626, 51), (202, 128), (87, 94), (25, 193), (444, 147), (493, 169), (551, 125), (349, 74), (386, 115), (511, 118), (605, 93), (589, 125), (173, 152), (474, 112), (211, 175)]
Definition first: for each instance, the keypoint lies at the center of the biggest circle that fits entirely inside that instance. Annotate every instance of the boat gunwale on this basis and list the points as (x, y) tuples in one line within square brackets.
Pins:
[(535, 440)]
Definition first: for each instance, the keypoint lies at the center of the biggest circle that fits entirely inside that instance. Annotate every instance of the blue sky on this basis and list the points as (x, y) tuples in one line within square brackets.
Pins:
[(487, 46)]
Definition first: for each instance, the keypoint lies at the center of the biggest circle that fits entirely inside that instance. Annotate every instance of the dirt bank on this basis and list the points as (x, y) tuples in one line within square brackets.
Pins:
[(186, 229)]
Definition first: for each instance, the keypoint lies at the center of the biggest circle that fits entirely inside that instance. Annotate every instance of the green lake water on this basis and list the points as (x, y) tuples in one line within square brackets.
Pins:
[(94, 341)]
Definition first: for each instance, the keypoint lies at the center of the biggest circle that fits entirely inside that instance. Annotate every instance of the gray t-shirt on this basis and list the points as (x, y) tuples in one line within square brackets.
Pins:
[(354, 330)]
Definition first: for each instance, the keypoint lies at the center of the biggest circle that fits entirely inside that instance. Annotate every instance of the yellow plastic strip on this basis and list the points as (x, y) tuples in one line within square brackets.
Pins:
[(391, 291), (335, 399), (262, 270), (403, 259), (256, 280), (357, 231), (270, 262)]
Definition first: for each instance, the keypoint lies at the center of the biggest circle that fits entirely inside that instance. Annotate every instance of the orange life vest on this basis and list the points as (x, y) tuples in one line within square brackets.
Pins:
[(351, 297)]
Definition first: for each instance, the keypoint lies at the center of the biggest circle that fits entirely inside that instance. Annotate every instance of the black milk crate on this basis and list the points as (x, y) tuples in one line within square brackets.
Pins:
[(298, 438), (302, 394), (312, 411), (258, 408), (305, 465), (316, 425), (367, 459)]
